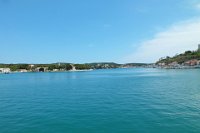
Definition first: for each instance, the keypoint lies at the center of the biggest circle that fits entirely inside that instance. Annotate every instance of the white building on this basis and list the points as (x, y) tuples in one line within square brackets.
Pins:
[(5, 70), (55, 70), (23, 70), (31, 66)]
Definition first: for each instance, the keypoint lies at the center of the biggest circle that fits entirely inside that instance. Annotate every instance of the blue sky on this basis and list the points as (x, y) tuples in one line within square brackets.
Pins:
[(80, 31)]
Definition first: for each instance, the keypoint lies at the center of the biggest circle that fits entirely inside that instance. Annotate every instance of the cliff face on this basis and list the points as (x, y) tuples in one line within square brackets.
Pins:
[(181, 58)]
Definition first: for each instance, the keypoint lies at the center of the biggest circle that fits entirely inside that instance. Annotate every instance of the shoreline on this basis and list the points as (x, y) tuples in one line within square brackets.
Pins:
[(13, 72), (88, 70)]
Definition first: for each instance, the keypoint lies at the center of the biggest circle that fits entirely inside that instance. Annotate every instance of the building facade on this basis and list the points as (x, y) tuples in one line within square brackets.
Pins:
[(5, 70)]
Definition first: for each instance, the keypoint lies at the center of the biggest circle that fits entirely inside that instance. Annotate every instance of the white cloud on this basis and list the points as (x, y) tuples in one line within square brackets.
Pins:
[(198, 6), (176, 39), (194, 3)]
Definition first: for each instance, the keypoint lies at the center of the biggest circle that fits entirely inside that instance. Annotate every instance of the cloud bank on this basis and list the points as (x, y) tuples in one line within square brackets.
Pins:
[(176, 39)]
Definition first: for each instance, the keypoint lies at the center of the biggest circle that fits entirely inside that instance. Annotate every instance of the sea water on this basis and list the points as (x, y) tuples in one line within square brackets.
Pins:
[(101, 101)]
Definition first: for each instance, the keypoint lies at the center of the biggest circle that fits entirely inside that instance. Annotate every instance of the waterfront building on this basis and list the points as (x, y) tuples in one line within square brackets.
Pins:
[(23, 70), (41, 69), (198, 62), (192, 62), (175, 63), (55, 70), (161, 64), (5, 70)]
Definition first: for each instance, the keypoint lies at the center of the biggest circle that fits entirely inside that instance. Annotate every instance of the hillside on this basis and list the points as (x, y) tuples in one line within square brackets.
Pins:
[(181, 58), (67, 66), (103, 65)]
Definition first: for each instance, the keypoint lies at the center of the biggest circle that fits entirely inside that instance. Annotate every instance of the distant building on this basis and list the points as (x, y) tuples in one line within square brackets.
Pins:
[(31, 66), (192, 62), (5, 70), (41, 69), (55, 70), (161, 64), (23, 70), (199, 47), (198, 62), (174, 64)]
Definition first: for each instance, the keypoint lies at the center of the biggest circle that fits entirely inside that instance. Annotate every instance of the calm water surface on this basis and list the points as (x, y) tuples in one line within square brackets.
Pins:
[(101, 101)]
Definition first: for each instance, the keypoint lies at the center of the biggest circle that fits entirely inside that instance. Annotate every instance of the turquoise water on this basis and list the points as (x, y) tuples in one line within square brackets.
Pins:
[(101, 101)]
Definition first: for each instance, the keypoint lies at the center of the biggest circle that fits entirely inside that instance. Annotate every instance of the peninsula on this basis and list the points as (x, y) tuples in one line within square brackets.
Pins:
[(61, 67), (189, 59)]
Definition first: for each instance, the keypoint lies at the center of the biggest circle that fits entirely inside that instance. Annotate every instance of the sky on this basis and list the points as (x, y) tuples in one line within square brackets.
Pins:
[(84, 31)]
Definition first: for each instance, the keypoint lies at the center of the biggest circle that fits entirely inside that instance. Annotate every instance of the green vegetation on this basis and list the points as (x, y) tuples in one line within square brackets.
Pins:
[(134, 65), (181, 58), (82, 66), (59, 66), (68, 66), (15, 67), (104, 65)]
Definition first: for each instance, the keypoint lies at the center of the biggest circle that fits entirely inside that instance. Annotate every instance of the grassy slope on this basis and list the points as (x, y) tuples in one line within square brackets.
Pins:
[(181, 58)]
